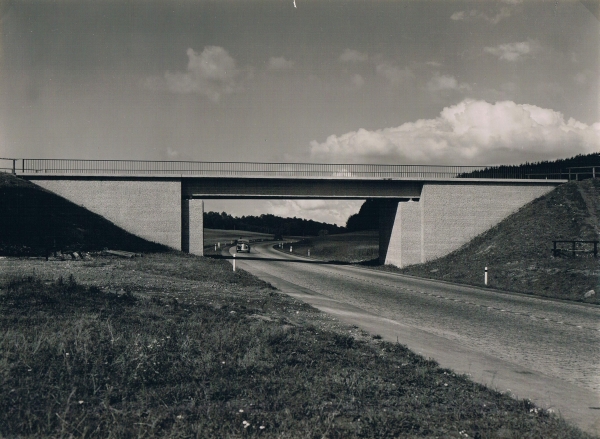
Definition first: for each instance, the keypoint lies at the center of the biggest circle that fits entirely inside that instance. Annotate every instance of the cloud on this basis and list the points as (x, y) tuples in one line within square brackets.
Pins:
[(444, 83), (330, 211), (279, 63), (474, 14), (472, 132), (357, 80), (351, 55), (395, 75), (212, 73), (584, 77), (514, 51)]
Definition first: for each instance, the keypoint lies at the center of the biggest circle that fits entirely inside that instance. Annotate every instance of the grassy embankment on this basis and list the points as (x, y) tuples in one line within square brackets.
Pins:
[(517, 251), (170, 345)]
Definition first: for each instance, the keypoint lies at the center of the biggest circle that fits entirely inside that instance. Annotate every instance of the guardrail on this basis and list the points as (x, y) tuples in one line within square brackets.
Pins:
[(575, 248), (194, 168), (12, 169)]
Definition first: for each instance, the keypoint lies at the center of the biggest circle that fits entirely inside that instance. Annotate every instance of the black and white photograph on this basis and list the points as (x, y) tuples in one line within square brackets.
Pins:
[(320, 219)]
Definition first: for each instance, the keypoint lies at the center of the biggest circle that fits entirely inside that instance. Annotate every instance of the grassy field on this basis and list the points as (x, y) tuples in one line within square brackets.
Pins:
[(355, 247), (172, 345)]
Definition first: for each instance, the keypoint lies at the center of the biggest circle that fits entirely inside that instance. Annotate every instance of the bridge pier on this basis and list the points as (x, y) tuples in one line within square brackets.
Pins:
[(192, 226)]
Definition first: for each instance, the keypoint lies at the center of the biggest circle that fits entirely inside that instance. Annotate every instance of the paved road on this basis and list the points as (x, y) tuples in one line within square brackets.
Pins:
[(547, 351)]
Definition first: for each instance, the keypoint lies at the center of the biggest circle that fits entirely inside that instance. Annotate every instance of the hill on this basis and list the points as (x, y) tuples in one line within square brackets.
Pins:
[(545, 169), (34, 221), (518, 251)]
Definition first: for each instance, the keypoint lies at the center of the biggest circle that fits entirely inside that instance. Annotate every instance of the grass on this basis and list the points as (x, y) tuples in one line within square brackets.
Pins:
[(355, 247), (170, 345)]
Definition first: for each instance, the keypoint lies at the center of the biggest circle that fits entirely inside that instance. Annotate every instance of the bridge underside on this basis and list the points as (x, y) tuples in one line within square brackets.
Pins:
[(418, 220)]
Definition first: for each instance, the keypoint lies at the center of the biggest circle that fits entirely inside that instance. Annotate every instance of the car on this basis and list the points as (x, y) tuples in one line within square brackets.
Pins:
[(243, 246)]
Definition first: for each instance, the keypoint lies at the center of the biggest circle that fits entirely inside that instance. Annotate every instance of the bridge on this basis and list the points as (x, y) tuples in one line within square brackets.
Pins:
[(424, 211)]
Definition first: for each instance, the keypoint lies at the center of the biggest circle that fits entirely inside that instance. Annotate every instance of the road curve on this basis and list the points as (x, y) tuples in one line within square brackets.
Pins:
[(544, 350)]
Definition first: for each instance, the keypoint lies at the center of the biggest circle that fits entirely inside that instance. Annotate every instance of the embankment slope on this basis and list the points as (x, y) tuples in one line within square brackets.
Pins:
[(518, 251)]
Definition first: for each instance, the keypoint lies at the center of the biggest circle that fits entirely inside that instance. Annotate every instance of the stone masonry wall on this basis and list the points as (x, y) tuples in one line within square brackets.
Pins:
[(453, 214), (411, 233), (150, 209), (197, 227), (449, 215)]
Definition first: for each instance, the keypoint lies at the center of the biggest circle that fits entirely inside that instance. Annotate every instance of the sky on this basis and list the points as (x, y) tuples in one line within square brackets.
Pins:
[(339, 81)]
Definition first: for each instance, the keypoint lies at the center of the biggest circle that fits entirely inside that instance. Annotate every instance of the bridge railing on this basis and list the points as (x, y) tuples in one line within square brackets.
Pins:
[(254, 169)]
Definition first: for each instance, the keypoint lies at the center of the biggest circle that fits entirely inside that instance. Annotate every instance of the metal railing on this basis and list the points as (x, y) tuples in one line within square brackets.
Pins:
[(12, 169), (583, 172), (193, 168)]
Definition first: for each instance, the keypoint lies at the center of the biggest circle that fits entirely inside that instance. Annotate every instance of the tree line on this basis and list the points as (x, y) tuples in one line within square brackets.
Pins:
[(268, 223)]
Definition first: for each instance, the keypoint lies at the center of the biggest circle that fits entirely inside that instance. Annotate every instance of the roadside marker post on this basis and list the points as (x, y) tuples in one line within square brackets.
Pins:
[(308, 252), (485, 276), (290, 248), (233, 262), (215, 247)]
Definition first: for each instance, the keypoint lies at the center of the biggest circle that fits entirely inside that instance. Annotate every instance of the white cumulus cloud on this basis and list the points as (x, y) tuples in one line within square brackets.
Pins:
[(212, 73), (329, 211), (280, 63), (472, 132), (514, 51), (351, 55)]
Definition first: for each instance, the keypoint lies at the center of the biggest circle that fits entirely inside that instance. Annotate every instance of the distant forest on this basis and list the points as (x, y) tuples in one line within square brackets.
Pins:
[(550, 169), (270, 224)]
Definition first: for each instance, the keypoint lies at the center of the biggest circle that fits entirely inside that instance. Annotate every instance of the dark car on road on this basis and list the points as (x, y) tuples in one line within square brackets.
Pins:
[(243, 246)]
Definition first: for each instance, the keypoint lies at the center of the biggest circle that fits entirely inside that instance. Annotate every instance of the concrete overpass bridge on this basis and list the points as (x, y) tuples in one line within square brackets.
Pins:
[(425, 211)]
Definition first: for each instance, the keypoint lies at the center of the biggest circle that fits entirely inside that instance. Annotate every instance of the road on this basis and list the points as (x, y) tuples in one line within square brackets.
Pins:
[(544, 350)]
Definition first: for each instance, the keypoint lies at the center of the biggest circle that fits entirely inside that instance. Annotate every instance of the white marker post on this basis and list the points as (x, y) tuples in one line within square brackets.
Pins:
[(215, 247), (233, 262), (485, 276), (290, 248), (308, 252)]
